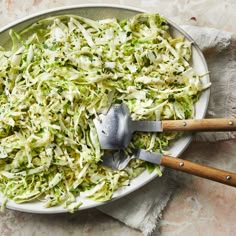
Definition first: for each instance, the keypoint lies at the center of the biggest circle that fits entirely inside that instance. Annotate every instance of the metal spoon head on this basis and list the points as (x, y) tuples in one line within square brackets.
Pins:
[(114, 129), (117, 160)]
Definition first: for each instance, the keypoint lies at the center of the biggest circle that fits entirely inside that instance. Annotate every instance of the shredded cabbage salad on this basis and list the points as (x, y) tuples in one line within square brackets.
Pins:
[(62, 72)]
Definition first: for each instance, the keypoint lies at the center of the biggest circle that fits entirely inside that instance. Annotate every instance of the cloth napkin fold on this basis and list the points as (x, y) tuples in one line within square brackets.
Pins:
[(143, 208)]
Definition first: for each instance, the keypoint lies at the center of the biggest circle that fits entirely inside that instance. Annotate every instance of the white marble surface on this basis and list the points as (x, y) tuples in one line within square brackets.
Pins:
[(199, 207)]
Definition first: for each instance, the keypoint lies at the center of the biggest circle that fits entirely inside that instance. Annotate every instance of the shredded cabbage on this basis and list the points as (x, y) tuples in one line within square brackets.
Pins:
[(62, 72)]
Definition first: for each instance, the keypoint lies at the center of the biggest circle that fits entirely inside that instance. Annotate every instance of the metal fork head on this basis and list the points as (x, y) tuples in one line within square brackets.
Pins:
[(114, 129)]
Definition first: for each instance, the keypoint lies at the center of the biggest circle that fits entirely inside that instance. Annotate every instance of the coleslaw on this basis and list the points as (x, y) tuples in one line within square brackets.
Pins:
[(62, 72)]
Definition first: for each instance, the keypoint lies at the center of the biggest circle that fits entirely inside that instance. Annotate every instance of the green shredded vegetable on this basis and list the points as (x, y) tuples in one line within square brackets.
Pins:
[(62, 72)]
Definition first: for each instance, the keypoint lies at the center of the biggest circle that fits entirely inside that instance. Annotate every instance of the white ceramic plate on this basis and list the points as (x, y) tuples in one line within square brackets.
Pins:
[(97, 12)]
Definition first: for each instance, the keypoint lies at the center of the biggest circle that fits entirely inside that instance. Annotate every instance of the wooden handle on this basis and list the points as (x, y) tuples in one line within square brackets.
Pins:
[(206, 172), (223, 124)]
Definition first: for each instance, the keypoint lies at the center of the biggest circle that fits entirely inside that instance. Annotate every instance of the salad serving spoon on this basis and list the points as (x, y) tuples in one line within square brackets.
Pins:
[(119, 161)]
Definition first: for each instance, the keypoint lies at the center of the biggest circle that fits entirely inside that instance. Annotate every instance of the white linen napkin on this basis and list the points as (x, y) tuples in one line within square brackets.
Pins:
[(143, 208)]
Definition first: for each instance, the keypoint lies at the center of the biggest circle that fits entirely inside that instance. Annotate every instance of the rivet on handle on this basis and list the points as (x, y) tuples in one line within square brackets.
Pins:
[(228, 177), (181, 164), (231, 122), (184, 123)]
